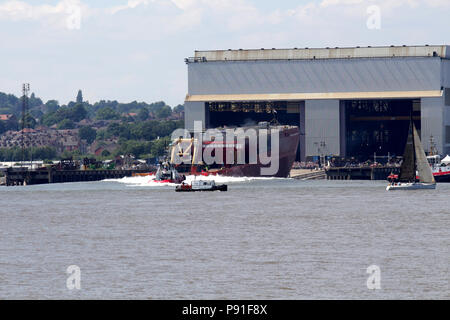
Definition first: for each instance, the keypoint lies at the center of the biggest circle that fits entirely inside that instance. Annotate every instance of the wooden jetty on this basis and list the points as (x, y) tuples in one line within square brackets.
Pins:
[(306, 174), (25, 176), (360, 173)]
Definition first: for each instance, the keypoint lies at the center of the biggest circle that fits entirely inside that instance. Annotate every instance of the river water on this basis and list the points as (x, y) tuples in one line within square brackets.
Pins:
[(263, 239)]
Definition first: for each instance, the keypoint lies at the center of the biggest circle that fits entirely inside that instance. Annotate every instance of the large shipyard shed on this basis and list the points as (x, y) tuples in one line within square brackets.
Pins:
[(348, 102)]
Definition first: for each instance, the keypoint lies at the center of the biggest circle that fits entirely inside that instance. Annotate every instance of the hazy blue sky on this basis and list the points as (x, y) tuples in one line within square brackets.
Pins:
[(134, 50)]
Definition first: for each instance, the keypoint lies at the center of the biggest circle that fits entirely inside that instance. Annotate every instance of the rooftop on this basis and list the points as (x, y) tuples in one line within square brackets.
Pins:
[(442, 51), (6, 117)]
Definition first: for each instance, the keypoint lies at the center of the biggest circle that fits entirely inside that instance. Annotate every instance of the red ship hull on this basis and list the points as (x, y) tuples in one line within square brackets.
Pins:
[(442, 176), (288, 145)]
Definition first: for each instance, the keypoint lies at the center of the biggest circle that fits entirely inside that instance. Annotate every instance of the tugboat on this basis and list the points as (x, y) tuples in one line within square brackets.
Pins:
[(440, 168), (167, 173), (441, 172), (201, 185)]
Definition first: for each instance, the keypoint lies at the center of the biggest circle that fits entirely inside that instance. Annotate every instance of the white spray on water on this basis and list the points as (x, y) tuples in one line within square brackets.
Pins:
[(149, 181)]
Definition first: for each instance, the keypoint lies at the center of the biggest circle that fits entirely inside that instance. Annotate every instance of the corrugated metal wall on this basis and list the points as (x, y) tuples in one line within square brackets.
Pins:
[(446, 73), (432, 123), (315, 76), (194, 111), (446, 85), (322, 127)]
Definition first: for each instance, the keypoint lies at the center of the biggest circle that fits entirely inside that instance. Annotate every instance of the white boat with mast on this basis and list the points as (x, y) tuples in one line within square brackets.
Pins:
[(414, 162)]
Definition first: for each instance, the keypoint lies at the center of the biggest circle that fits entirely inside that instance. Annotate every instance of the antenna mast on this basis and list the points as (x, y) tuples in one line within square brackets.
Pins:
[(25, 91)]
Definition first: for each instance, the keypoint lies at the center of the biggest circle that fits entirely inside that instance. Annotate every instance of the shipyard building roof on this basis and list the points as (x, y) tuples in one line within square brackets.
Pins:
[(442, 51)]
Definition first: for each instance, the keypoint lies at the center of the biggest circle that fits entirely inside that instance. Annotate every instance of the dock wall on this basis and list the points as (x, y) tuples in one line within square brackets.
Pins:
[(23, 176)]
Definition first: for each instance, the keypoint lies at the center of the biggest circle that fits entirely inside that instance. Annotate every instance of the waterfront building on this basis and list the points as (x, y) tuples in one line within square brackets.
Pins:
[(348, 102)]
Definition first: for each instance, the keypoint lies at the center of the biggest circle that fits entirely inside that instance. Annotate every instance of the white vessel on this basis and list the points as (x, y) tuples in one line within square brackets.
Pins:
[(414, 163), (410, 186), (201, 185)]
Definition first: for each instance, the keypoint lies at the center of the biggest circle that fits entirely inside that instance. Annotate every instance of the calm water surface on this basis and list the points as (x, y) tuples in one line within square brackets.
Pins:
[(263, 239)]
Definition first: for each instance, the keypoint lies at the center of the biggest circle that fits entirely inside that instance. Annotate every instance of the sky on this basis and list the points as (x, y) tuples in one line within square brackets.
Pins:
[(135, 50)]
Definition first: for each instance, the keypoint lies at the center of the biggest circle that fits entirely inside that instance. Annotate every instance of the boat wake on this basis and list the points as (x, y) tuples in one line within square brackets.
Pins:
[(149, 181)]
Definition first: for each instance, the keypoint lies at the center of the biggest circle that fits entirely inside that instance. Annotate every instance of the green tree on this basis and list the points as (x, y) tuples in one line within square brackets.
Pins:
[(179, 108), (36, 113), (8, 125), (80, 97), (34, 102), (76, 154), (30, 121), (49, 119), (159, 147), (113, 130), (107, 113), (43, 153), (156, 106), (10, 103), (51, 106), (136, 148), (101, 134), (2, 127), (106, 153), (39, 153), (148, 130), (87, 133), (78, 112), (121, 130), (66, 124), (143, 114), (63, 112), (164, 112)]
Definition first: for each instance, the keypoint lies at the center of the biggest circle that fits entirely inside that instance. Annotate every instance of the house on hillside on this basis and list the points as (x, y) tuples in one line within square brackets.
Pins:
[(98, 148), (7, 117)]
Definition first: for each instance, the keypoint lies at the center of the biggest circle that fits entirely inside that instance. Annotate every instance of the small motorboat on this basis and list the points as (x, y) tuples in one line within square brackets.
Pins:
[(167, 173), (201, 185), (410, 186)]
